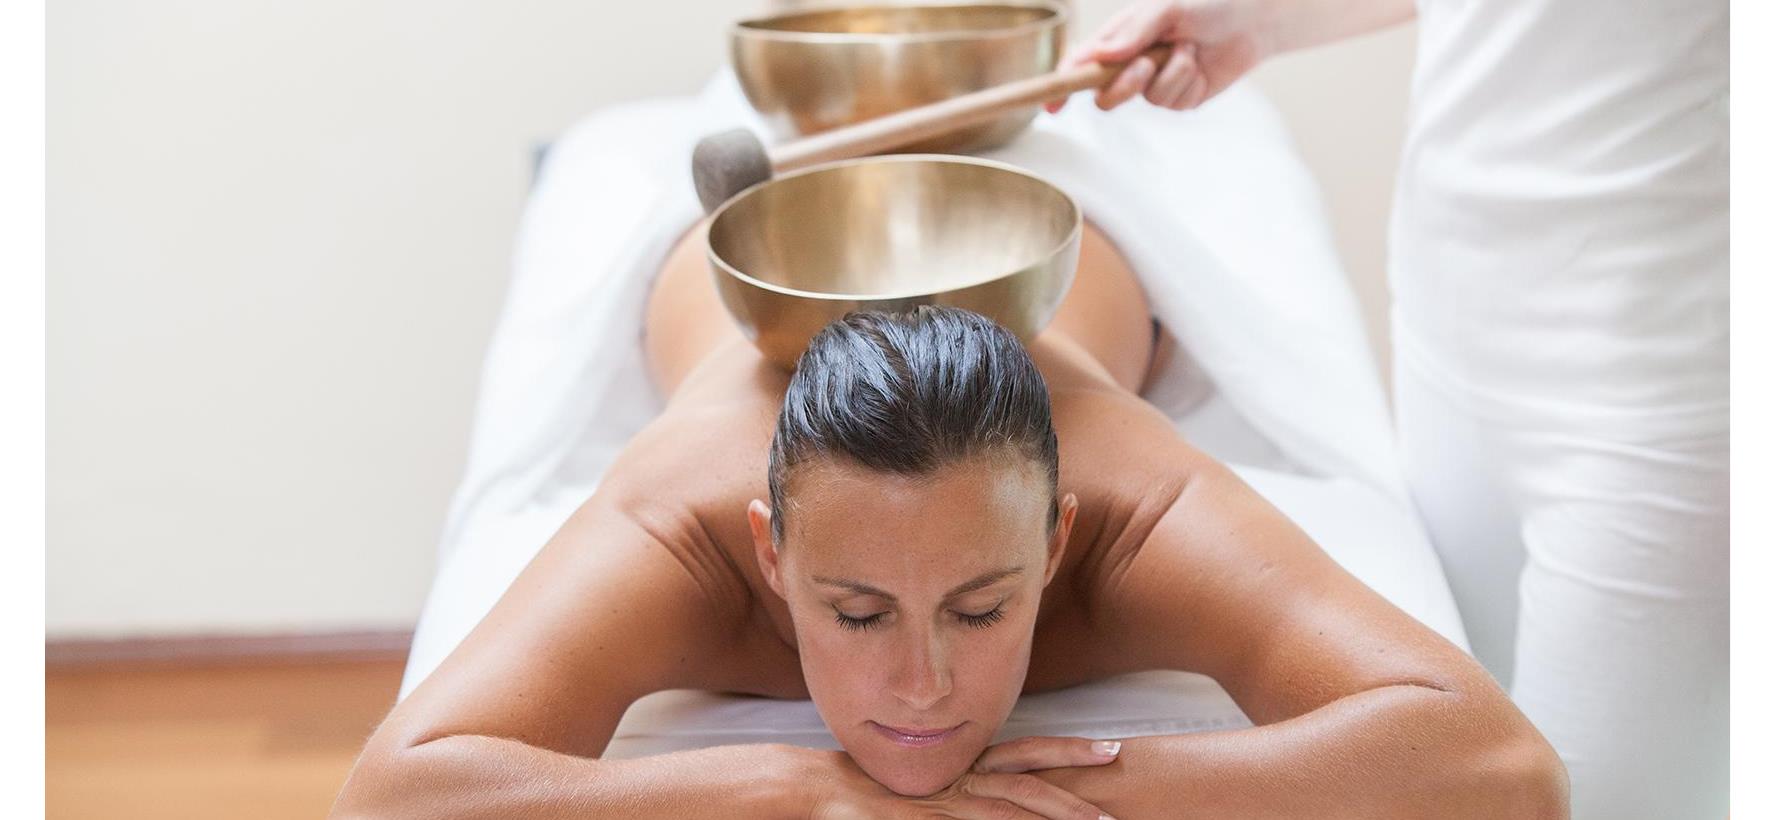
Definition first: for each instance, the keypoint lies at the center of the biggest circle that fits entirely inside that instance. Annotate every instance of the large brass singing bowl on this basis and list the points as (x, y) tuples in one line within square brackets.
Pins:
[(891, 233), (813, 71)]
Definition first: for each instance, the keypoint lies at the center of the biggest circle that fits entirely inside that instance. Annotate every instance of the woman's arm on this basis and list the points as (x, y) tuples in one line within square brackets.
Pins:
[(480, 776), (631, 597), (619, 604), (1403, 751), (1361, 710)]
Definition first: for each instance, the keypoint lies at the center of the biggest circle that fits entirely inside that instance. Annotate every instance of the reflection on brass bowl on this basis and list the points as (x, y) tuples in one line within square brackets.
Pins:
[(890, 233), (813, 71)]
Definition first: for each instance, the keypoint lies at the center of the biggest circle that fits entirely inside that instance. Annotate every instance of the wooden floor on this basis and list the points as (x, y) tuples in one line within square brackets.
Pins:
[(258, 740)]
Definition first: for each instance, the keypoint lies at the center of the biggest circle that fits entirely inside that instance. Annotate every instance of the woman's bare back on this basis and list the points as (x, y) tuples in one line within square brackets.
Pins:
[(706, 456), (690, 475), (1172, 563)]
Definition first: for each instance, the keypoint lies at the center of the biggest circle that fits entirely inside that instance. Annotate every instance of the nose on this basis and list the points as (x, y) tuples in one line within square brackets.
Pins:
[(921, 678)]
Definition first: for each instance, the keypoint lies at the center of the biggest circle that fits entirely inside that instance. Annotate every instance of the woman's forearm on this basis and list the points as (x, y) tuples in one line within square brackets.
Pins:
[(1292, 25), (1396, 751), (475, 776)]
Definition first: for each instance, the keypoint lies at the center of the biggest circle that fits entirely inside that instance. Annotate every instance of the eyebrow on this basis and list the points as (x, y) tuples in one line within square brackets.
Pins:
[(986, 580)]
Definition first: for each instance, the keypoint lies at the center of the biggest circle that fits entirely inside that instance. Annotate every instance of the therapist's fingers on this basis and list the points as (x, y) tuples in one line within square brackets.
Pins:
[(1131, 81), (1167, 90), (1029, 754), (1128, 32), (1136, 28), (1196, 94), (1075, 56), (1078, 55), (1111, 30)]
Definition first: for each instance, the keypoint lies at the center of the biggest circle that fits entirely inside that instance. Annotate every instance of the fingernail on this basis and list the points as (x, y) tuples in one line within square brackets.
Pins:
[(1107, 748), (1102, 816)]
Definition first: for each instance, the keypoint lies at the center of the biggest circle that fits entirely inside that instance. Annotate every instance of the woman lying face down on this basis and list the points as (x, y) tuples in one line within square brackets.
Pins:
[(913, 524), (925, 521)]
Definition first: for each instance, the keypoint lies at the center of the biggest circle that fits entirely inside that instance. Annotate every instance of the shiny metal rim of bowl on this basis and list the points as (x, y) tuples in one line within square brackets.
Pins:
[(763, 28), (1072, 236)]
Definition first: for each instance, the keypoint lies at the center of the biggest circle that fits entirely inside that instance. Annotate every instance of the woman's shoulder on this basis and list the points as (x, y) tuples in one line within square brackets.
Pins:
[(701, 554)]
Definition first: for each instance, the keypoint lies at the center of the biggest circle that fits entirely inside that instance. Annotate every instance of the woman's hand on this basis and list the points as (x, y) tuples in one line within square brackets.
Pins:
[(998, 787), (1214, 42)]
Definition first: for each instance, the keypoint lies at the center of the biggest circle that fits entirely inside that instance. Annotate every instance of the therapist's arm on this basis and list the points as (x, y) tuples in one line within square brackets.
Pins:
[(1361, 711), (1215, 42)]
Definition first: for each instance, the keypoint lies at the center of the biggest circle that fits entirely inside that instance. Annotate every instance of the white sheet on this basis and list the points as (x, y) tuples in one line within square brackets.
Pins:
[(1213, 209)]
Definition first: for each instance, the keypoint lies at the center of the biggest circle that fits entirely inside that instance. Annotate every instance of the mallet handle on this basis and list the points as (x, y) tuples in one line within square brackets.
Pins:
[(913, 124)]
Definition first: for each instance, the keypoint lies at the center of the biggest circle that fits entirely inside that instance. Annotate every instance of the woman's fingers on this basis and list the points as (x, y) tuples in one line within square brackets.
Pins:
[(1032, 753), (1031, 794), (1173, 81), (968, 807)]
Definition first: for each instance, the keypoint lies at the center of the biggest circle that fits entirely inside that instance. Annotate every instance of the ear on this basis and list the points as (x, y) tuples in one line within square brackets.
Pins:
[(1069, 508), (763, 546)]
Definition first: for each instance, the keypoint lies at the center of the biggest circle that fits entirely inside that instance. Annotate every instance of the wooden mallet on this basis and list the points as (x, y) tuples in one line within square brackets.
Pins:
[(729, 162)]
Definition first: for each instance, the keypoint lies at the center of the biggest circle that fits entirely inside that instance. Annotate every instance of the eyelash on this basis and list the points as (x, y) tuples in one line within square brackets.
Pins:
[(980, 621), (858, 624), (985, 619)]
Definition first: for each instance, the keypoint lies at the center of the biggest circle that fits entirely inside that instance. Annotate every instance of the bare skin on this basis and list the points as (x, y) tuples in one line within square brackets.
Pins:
[(1165, 560)]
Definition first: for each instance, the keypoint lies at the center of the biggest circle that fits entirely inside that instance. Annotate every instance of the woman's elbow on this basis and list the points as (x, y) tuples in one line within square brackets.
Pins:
[(1544, 783), (365, 793), (379, 784), (1525, 777), (1495, 763)]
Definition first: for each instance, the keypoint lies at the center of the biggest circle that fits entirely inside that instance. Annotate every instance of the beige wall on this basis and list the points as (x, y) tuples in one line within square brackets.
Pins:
[(278, 235)]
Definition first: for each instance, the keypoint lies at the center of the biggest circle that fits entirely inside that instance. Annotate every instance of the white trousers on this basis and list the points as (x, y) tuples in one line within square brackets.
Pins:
[(1587, 552)]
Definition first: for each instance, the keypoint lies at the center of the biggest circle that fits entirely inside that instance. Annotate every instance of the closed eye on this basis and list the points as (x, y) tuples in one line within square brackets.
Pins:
[(859, 624), (979, 621), (984, 619)]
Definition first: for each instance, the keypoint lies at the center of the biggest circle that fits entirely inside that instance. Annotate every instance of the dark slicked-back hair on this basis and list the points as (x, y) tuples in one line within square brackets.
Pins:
[(908, 393)]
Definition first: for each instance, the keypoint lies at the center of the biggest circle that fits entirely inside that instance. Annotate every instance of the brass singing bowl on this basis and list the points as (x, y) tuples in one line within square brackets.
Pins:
[(812, 71), (891, 233)]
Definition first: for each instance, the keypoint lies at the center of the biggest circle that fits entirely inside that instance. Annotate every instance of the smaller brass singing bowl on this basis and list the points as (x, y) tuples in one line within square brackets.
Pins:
[(813, 71), (890, 233)]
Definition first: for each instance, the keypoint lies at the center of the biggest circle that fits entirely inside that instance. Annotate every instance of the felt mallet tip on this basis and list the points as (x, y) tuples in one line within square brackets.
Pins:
[(727, 163)]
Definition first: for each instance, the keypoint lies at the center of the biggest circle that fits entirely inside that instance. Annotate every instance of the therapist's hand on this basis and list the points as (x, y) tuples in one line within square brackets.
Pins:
[(1214, 42)]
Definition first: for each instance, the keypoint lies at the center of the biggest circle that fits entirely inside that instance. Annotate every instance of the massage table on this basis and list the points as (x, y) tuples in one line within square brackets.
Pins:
[(1266, 368)]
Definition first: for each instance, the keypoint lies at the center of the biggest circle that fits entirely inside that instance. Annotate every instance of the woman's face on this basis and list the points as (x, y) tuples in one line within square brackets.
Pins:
[(914, 601)]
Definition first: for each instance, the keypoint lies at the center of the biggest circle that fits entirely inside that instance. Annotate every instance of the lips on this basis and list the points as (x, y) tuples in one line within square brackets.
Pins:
[(916, 737)]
